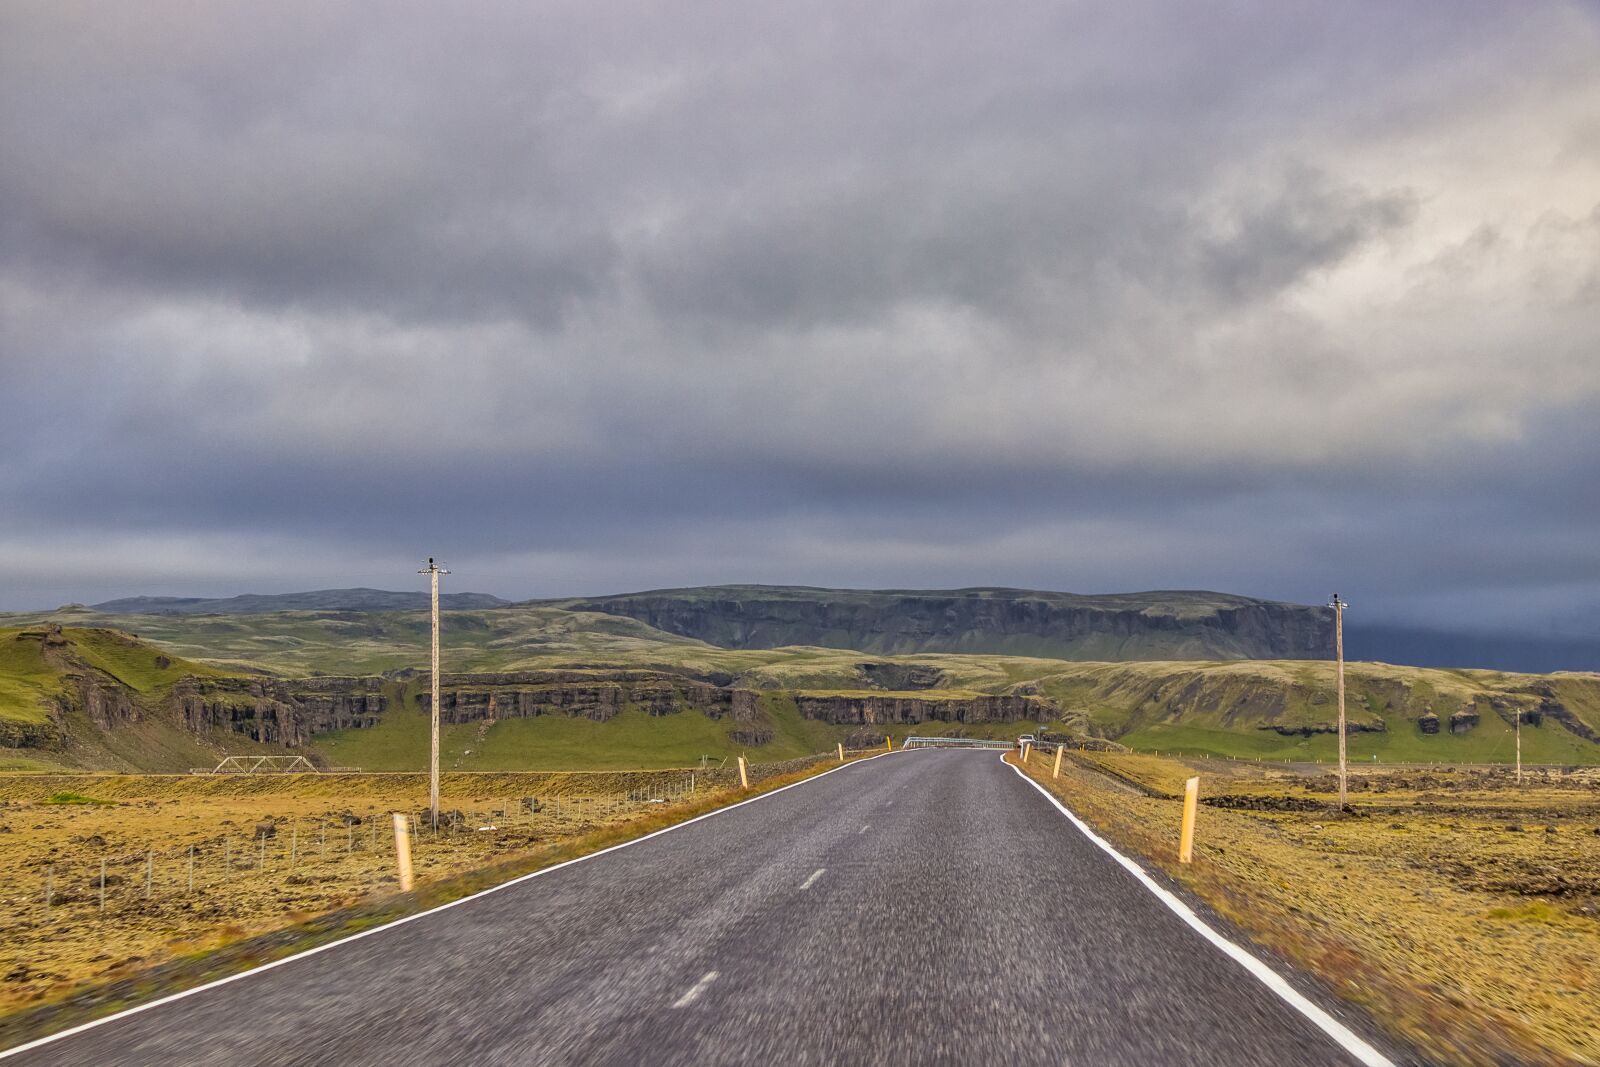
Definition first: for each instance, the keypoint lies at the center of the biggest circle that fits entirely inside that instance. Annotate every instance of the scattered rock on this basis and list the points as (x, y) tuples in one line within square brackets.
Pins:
[(1512, 828), (265, 829), (24, 973), (1246, 802)]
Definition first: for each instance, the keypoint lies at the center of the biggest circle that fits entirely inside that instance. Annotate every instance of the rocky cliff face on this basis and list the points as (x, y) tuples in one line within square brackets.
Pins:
[(107, 702), (864, 709), (592, 695), (278, 712), (1141, 626), (476, 697)]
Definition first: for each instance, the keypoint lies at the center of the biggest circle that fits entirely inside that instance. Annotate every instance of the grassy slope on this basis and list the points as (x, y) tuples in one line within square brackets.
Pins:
[(631, 740), (34, 687), (300, 643), (27, 682)]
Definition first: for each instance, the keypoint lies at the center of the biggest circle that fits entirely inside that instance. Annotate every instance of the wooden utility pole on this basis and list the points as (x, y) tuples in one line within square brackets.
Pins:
[(433, 570), (1338, 607)]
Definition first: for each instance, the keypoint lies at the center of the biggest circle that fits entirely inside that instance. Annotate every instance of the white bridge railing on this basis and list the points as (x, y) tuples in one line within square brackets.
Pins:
[(260, 765), (957, 742)]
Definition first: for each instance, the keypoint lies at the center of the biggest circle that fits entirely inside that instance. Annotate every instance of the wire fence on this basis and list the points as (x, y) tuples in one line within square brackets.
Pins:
[(307, 861)]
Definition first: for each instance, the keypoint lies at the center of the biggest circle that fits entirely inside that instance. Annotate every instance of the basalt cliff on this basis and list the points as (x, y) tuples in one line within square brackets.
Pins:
[(1135, 626)]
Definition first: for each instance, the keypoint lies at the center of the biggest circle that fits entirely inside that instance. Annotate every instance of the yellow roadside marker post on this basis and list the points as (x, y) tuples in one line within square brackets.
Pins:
[(402, 852), (888, 743), (744, 773), (841, 751), (1057, 772), (1191, 798)]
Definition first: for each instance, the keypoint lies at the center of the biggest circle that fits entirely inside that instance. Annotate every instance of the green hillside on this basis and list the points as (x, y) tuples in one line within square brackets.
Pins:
[(633, 739), (94, 697), (1274, 709), (298, 643)]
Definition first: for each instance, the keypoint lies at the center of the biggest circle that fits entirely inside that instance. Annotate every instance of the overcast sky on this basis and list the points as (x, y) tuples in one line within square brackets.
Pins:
[(1274, 298)]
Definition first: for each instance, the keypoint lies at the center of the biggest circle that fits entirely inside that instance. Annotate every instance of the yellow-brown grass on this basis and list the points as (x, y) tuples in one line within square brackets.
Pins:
[(1473, 942), (243, 891)]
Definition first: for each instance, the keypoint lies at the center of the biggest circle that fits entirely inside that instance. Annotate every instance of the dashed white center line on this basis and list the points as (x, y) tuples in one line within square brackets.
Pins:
[(818, 873), (863, 828), (695, 990)]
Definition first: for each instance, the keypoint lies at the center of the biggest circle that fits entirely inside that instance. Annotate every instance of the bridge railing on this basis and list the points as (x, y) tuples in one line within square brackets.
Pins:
[(957, 742)]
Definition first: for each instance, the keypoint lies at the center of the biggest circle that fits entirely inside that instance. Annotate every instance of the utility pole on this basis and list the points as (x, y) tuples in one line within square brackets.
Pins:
[(1338, 607), (433, 570)]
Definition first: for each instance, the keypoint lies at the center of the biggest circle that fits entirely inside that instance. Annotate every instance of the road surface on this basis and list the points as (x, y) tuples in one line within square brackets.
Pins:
[(925, 907)]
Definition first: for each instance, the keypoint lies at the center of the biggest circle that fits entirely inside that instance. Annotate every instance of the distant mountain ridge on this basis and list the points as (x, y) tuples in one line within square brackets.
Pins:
[(1133, 626), (1178, 625), (317, 600)]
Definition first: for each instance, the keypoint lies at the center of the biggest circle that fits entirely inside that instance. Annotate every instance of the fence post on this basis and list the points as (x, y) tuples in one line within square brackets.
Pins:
[(149, 871), (402, 851), (102, 885), (49, 887), (841, 751), (1191, 797), (744, 773), (1057, 772), (294, 845), (191, 868)]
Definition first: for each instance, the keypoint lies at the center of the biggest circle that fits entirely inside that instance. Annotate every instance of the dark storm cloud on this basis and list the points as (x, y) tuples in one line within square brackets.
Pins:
[(1263, 297)]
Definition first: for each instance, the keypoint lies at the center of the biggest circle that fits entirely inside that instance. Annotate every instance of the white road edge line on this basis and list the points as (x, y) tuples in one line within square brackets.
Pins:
[(40, 1042), (809, 882), (695, 990), (1340, 1033)]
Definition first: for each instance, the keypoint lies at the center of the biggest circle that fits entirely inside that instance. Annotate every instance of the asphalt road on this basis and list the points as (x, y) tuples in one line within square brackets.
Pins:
[(927, 907)]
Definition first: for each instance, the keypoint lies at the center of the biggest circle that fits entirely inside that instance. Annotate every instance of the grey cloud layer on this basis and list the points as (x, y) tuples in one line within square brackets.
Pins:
[(1059, 294)]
